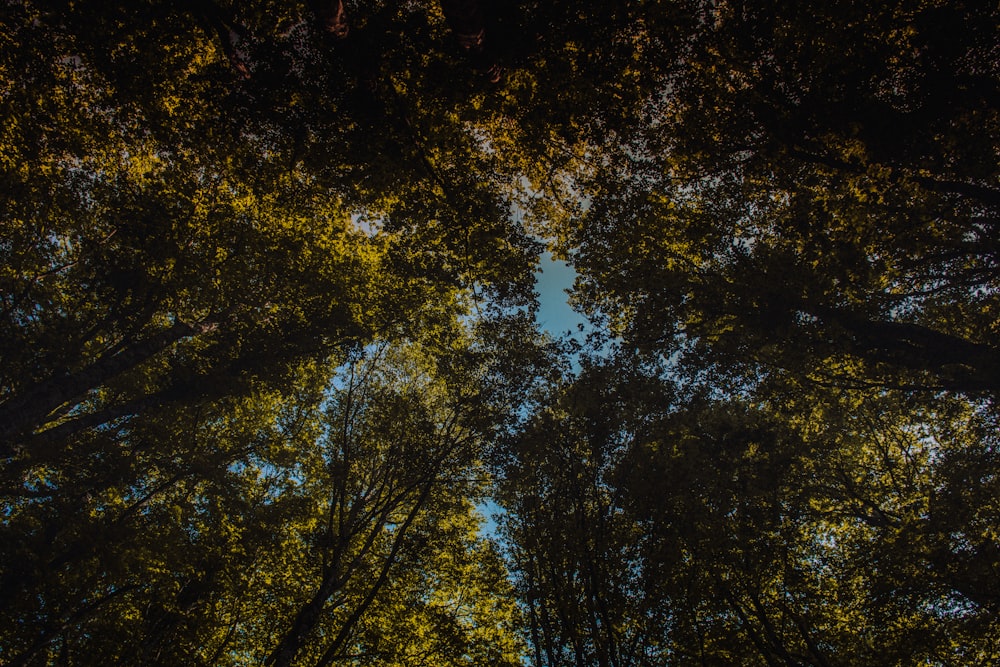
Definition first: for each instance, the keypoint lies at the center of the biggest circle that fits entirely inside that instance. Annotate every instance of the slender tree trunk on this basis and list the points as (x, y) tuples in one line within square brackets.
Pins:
[(305, 621), (333, 580), (345, 631), (751, 632)]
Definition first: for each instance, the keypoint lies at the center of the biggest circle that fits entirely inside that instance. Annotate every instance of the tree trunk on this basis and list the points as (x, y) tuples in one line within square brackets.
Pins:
[(959, 364), (28, 411)]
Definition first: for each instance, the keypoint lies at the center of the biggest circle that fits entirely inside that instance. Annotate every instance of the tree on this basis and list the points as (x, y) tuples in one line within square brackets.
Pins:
[(187, 261), (296, 529), (651, 524), (396, 474), (762, 200), (575, 552), (145, 224), (786, 216)]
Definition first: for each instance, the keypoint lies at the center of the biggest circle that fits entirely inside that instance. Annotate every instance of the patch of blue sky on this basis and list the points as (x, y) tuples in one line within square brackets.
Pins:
[(553, 282), (491, 513)]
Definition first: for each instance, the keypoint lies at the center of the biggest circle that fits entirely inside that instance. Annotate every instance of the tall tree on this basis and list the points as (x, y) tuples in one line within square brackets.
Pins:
[(304, 528), (188, 258), (784, 202), (654, 525)]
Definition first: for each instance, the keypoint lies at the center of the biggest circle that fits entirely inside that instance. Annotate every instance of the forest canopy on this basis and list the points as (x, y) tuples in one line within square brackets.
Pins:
[(269, 349)]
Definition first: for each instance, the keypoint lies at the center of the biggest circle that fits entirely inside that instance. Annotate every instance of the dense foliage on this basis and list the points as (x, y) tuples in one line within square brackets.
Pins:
[(268, 341)]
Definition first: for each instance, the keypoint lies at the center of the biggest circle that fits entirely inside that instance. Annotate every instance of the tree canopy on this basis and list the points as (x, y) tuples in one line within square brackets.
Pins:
[(269, 350)]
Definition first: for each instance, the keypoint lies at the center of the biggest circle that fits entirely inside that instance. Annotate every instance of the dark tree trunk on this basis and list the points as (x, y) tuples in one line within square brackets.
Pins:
[(957, 363), (29, 409)]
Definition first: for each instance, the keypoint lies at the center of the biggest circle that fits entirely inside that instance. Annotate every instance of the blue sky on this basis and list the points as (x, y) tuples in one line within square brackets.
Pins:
[(552, 280)]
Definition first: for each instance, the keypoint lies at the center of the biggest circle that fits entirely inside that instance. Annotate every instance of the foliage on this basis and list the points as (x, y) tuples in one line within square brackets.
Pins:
[(267, 311), (821, 530)]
